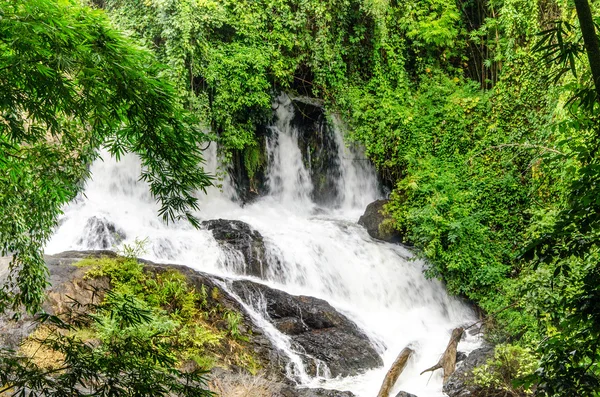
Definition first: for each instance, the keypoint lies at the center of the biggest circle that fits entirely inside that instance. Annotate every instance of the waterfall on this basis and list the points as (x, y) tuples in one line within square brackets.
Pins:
[(312, 250)]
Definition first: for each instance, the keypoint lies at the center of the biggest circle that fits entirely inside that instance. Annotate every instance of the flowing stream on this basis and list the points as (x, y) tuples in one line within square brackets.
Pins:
[(322, 252)]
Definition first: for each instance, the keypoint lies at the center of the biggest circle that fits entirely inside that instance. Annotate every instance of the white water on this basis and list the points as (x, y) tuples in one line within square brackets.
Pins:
[(323, 253)]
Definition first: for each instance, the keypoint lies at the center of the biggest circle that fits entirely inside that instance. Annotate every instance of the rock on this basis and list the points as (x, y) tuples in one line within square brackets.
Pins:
[(316, 327), (459, 383), (66, 284), (99, 233), (231, 383), (68, 281), (405, 394), (245, 246), (317, 143), (372, 220), (321, 393)]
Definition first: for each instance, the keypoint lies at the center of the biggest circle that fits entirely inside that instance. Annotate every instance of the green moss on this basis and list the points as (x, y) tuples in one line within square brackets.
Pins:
[(204, 332), (253, 160)]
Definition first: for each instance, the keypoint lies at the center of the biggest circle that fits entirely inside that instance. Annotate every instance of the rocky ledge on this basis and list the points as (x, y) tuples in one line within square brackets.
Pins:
[(321, 332), (245, 247), (460, 383), (317, 330)]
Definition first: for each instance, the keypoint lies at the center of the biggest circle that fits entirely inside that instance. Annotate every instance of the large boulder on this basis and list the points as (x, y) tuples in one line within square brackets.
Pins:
[(245, 247), (460, 384), (319, 330), (373, 220), (68, 282), (315, 327)]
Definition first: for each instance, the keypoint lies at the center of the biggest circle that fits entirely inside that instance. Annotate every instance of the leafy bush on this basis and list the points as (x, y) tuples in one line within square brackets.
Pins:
[(504, 374), (131, 354), (203, 330)]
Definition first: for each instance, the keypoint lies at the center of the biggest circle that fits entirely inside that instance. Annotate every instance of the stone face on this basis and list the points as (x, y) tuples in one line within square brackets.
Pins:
[(244, 245), (316, 328), (66, 284), (372, 220), (458, 384), (317, 144)]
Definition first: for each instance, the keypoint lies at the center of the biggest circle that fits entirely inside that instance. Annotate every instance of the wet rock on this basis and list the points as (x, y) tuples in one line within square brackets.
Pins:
[(99, 233), (68, 281), (459, 383), (317, 143), (319, 393), (372, 220), (315, 327), (290, 325), (246, 246), (405, 394)]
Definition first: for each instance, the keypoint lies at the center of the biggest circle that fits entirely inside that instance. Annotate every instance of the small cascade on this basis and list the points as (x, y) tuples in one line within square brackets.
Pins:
[(288, 179), (357, 184), (297, 243)]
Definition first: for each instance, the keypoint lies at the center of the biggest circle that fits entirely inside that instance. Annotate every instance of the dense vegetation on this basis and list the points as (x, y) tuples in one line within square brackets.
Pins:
[(71, 84), (481, 115), (138, 333), (482, 125)]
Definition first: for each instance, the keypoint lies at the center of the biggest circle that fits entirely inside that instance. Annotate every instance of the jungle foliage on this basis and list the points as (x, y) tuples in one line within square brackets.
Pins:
[(71, 84), (136, 332), (480, 115)]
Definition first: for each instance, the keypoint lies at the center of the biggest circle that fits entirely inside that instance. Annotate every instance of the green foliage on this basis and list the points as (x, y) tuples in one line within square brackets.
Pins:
[(71, 84), (203, 331), (253, 160), (433, 23), (132, 354), (503, 374)]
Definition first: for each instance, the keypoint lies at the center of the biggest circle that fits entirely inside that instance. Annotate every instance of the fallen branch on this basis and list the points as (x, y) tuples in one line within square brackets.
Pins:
[(394, 372), (448, 360), (522, 145)]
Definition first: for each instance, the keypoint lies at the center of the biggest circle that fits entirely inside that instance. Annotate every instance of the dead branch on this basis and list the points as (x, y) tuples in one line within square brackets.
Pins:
[(448, 360), (394, 372)]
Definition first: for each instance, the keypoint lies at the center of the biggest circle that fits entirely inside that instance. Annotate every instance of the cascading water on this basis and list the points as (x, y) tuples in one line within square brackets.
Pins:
[(319, 252)]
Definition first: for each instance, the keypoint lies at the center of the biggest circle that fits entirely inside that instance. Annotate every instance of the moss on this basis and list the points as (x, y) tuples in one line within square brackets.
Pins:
[(206, 333), (254, 159)]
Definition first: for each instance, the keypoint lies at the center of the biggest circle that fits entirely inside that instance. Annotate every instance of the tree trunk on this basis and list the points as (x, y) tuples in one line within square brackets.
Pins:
[(448, 360), (394, 372), (590, 38)]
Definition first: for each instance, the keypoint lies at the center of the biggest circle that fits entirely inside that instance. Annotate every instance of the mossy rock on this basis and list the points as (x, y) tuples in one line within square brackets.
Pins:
[(379, 224)]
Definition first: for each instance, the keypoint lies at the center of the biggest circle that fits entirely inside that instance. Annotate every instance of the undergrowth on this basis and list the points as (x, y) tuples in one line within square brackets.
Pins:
[(202, 331)]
